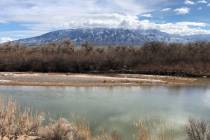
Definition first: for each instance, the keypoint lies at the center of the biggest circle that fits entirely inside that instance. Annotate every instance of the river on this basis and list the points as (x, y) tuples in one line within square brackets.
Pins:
[(116, 108)]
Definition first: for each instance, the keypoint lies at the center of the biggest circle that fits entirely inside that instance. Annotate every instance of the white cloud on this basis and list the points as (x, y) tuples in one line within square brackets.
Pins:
[(208, 4), (196, 24), (182, 10), (202, 1), (189, 2), (94, 20), (42, 16), (46, 11), (165, 9), (181, 28), (46, 15), (53, 11), (5, 39), (130, 22), (147, 15)]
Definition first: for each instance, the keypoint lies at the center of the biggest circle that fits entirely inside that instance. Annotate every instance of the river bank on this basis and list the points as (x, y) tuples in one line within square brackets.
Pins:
[(69, 79)]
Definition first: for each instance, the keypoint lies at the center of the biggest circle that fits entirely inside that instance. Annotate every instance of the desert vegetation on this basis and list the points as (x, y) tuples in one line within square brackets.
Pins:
[(191, 59)]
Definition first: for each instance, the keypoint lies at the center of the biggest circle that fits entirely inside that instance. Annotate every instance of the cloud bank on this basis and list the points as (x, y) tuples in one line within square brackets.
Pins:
[(5, 39), (41, 16)]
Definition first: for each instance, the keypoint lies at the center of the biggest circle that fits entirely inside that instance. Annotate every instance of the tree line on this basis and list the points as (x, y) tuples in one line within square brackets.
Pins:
[(192, 59)]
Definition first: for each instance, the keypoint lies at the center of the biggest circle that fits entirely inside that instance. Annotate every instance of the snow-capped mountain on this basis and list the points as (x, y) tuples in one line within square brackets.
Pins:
[(110, 36)]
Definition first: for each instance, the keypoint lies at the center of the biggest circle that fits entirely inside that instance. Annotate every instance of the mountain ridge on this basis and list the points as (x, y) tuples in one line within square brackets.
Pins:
[(111, 36)]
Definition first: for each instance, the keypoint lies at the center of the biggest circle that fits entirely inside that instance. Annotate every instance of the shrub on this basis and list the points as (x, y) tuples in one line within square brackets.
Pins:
[(197, 130), (191, 59)]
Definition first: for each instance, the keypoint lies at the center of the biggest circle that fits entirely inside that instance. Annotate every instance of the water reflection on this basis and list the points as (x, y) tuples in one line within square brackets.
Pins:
[(116, 107)]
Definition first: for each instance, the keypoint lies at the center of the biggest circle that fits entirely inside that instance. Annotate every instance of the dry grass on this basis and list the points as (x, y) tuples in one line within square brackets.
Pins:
[(155, 130), (198, 130), (14, 123)]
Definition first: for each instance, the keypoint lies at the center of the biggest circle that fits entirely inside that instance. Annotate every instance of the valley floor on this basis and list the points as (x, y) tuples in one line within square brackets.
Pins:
[(69, 79)]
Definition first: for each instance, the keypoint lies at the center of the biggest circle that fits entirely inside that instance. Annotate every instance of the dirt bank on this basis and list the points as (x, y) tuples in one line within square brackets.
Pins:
[(69, 79)]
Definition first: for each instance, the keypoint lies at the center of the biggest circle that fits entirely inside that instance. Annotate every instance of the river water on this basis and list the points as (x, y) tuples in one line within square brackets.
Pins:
[(116, 108)]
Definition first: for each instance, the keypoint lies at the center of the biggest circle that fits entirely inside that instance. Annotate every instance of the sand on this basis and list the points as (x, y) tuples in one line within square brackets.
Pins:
[(69, 79)]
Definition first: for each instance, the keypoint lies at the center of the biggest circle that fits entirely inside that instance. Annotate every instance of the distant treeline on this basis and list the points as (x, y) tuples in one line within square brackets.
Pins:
[(191, 59)]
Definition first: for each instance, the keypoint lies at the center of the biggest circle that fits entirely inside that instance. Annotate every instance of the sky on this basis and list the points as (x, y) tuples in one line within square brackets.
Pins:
[(28, 18)]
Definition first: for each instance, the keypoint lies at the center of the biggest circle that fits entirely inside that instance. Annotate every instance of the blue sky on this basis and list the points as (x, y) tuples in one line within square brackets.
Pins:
[(27, 18)]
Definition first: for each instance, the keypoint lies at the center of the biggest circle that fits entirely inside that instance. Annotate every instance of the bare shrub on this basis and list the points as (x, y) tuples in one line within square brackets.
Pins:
[(59, 130), (197, 130), (191, 59), (14, 123)]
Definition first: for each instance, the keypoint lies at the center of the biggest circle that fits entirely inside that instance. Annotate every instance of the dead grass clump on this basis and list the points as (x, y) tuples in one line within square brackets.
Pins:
[(113, 136), (14, 123), (155, 129), (143, 135), (197, 130), (59, 130)]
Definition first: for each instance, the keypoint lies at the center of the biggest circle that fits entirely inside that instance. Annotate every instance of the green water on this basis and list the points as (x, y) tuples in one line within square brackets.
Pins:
[(116, 108)]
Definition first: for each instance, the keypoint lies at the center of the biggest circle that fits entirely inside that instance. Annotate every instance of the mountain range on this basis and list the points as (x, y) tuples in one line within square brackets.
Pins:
[(111, 36)]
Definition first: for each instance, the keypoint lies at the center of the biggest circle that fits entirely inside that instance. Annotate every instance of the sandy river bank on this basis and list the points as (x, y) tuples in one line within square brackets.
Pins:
[(69, 79)]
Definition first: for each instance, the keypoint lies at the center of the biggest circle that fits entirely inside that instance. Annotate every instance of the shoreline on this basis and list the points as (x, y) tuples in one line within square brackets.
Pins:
[(83, 80)]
